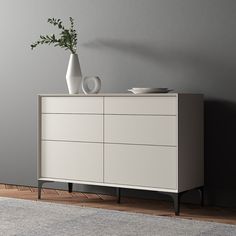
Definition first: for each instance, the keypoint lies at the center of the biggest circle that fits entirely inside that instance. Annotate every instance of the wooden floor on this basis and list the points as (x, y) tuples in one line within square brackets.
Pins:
[(145, 206)]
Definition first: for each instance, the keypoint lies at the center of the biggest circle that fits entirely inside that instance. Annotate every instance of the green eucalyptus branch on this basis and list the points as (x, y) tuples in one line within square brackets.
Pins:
[(67, 37)]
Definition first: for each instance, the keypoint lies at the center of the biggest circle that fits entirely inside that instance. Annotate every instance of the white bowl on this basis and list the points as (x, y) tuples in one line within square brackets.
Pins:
[(149, 90)]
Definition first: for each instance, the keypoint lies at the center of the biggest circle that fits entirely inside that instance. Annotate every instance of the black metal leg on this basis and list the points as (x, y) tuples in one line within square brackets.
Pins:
[(70, 187), (176, 199), (40, 184), (201, 191), (118, 194)]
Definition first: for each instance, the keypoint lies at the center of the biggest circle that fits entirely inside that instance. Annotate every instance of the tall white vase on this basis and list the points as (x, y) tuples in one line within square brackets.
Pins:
[(73, 74)]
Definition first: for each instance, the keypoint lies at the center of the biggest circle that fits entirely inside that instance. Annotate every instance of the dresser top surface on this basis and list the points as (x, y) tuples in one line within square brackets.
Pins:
[(118, 95)]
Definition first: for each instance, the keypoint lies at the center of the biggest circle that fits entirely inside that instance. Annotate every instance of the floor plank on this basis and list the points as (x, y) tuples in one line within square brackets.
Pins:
[(2, 186), (145, 206), (8, 186), (23, 188)]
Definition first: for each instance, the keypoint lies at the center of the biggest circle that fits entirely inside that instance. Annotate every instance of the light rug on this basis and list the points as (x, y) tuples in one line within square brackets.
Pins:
[(32, 218)]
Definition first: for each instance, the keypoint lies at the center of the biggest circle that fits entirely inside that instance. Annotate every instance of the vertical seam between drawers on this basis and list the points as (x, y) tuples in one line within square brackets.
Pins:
[(103, 136)]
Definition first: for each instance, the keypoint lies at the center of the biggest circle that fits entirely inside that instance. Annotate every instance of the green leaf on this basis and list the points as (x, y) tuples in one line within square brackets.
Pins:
[(67, 37)]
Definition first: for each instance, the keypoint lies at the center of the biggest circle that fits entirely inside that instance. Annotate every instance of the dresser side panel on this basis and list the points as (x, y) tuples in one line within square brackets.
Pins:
[(190, 142), (39, 112)]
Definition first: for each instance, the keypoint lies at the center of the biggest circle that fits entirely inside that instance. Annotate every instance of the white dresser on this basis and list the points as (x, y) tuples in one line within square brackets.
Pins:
[(150, 142)]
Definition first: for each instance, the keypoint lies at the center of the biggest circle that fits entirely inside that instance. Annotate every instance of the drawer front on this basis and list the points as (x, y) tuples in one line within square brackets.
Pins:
[(153, 130), (141, 105), (72, 160), (72, 105), (137, 165), (72, 127)]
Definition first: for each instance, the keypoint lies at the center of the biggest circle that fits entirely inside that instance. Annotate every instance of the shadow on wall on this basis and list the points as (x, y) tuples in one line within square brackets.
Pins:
[(204, 64), (220, 152)]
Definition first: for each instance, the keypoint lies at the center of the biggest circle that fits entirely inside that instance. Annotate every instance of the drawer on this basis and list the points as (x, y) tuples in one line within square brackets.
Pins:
[(72, 160), (137, 165), (72, 105), (141, 105), (153, 130), (72, 127)]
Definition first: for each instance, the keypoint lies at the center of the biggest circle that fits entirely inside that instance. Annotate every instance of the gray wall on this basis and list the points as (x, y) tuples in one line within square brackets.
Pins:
[(187, 45)]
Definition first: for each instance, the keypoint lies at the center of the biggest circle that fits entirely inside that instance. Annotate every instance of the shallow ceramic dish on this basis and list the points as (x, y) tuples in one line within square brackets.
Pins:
[(149, 90)]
